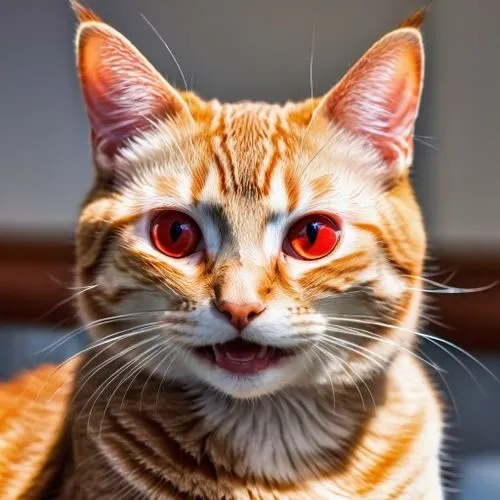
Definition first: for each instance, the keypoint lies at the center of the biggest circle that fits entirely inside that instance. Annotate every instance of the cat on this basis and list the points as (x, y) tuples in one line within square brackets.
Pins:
[(251, 280)]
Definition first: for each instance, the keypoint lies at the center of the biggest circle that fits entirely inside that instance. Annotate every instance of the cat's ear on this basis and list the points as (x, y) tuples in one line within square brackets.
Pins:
[(124, 94), (378, 99)]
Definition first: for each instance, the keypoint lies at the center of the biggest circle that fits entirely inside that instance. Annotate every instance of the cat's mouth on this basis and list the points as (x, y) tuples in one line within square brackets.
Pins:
[(239, 356)]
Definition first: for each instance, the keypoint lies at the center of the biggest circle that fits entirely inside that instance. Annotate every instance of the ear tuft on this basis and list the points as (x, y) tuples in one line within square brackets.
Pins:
[(417, 19), (84, 14)]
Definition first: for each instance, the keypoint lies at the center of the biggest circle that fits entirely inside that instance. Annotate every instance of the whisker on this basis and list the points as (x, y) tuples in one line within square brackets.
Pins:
[(84, 328), (96, 369), (453, 290), (66, 300), (311, 60), (445, 288), (425, 143), (109, 339), (447, 386), (111, 343), (116, 338), (351, 346), (176, 350), (144, 358), (434, 340), (345, 368), (168, 48), (328, 375), (168, 350), (108, 380), (430, 361), (373, 336), (430, 137), (131, 382), (320, 150)]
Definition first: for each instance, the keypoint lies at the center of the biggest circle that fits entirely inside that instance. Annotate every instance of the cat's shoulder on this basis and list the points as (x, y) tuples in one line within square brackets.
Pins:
[(32, 412)]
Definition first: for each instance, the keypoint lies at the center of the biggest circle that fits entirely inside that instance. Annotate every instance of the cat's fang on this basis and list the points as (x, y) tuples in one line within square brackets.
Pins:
[(263, 352)]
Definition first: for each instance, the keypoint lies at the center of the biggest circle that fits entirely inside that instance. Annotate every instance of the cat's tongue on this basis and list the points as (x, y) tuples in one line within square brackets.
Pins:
[(238, 356)]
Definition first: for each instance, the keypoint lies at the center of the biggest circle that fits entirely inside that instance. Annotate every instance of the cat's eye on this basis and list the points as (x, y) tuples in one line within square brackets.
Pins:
[(312, 237), (175, 234)]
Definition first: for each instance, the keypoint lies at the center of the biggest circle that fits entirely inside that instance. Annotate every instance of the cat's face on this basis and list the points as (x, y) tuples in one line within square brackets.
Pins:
[(250, 246)]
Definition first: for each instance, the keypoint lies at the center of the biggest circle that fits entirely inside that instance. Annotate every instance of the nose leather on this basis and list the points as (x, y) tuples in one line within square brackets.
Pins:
[(240, 315)]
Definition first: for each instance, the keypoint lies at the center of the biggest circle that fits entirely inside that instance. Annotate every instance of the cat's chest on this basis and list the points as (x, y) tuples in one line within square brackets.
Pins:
[(184, 445)]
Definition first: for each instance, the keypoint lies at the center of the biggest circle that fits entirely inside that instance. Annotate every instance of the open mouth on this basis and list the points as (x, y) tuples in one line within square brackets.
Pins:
[(241, 357)]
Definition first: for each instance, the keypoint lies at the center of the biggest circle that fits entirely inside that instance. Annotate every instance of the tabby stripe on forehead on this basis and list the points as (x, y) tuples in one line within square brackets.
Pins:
[(224, 159), (273, 151), (265, 133), (217, 126), (292, 189), (200, 176), (220, 169)]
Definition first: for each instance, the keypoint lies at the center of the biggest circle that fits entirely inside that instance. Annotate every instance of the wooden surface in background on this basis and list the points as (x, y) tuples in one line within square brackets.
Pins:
[(34, 278), (37, 276)]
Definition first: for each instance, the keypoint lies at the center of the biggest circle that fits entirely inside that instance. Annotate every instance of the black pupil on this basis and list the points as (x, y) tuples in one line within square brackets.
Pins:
[(175, 231), (312, 231)]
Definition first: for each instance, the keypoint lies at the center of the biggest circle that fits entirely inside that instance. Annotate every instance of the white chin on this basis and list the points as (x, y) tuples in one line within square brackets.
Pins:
[(247, 386)]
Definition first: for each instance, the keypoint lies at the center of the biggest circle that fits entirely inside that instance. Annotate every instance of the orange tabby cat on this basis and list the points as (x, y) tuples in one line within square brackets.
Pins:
[(253, 286)]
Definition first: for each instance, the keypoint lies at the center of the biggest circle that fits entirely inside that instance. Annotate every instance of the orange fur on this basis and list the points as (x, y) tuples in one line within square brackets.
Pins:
[(32, 413), (351, 414)]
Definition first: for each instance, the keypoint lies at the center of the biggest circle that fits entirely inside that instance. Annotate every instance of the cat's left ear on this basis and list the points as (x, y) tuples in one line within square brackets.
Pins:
[(378, 99)]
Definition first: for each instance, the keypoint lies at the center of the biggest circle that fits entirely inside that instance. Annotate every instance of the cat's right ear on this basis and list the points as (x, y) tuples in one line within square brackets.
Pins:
[(124, 94)]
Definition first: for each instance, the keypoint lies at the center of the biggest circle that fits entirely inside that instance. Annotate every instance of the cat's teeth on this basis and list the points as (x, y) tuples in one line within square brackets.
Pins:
[(217, 354), (240, 359), (262, 353)]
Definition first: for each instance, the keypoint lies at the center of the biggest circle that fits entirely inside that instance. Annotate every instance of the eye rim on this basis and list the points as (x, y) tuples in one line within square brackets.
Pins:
[(191, 248), (333, 220)]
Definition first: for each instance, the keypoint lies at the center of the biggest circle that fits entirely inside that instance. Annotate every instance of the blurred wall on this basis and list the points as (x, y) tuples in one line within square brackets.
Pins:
[(257, 49)]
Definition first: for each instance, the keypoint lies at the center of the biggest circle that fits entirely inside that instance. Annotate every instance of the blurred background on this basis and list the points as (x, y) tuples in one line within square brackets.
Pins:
[(261, 49)]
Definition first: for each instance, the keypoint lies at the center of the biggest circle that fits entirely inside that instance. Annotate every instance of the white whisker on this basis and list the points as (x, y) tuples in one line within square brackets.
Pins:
[(113, 358), (434, 340), (373, 336), (144, 358), (157, 33), (104, 385), (66, 300)]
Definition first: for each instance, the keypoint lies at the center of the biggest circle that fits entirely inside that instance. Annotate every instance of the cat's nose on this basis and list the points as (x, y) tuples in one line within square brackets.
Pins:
[(240, 315)]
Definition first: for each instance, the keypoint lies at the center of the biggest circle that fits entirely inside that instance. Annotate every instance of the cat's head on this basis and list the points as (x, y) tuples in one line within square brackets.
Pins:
[(250, 247)]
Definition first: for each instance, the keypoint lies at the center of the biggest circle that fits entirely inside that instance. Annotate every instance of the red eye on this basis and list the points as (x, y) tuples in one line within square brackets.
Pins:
[(175, 234), (312, 237)]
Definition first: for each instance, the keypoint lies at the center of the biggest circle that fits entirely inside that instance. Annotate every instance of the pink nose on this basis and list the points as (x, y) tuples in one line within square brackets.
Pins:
[(240, 315)]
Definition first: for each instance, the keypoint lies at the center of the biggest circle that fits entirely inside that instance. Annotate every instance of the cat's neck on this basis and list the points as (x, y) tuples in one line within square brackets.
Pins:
[(286, 437), (290, 436), (167, 432)]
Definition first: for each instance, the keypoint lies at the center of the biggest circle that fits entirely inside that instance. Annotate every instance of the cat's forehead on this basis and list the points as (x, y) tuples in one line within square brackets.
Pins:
[(249, 158), (248, 142), (249, 161)]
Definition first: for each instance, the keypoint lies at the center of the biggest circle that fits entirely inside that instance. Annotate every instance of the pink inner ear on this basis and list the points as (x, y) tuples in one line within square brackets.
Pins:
[(380, 95), (124, 94)]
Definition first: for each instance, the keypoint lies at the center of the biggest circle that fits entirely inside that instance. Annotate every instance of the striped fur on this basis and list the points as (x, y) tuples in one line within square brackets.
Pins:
[(353, 415)]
